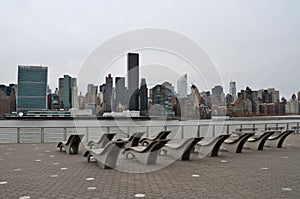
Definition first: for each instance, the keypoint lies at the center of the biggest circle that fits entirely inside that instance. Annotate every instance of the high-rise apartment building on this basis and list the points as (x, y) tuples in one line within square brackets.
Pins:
[(274, 95), (7, 102), (133, 81), (163, 100), (182, 86), (32, 88), (269, 95), (232, 90)]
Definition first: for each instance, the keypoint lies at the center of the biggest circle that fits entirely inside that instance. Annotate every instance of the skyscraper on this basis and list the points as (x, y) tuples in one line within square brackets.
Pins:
[(182, 86), (232, 89), (60, 91), (74, 98), (68, 92), (144, 97), (32, 88), (163, 99), (120, 90), (217, 93), (133, 81), (91, 95), (109, 90)]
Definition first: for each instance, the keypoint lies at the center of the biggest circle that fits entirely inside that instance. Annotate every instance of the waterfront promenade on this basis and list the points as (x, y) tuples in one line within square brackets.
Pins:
[(41, 171)]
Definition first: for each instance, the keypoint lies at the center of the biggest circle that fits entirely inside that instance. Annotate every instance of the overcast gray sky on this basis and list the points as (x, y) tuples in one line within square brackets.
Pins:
[(253, 42)]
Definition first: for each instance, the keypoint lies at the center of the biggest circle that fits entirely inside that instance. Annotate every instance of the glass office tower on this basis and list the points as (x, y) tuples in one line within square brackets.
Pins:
[(182, 86), (133, 81), (232, 89), (32, 88)]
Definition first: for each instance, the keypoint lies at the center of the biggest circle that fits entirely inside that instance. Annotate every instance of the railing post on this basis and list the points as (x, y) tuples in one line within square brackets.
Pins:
[(65, 134), (297, 131), (87, 133), (18, 135), (266, 126), (165, 128), (214, 131), (147, 131), (42, 134), (128, 131), (227, 129), (107, 129), (182, 132), (287, 126), (198, 131)]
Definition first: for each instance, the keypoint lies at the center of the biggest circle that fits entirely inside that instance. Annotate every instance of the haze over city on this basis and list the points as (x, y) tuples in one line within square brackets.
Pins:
[(255, 43)]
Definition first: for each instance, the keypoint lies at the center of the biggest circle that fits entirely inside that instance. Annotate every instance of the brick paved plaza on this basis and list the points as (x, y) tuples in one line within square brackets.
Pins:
[(41, 171)]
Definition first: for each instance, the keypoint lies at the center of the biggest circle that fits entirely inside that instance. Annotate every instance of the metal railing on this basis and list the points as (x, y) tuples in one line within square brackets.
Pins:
[(38, 134)]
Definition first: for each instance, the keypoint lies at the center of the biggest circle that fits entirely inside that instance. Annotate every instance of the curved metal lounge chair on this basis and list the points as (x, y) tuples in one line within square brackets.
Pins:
[(258, 142), (71, 146), (277, 140), (210, 147), (236, 145), (146, 154), (133, 140), (160, 136), (108, 156), (183, 150), (104, 139)]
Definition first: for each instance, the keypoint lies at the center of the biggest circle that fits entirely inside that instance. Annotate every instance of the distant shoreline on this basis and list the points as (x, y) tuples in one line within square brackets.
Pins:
[(253, 118), (145, 118)]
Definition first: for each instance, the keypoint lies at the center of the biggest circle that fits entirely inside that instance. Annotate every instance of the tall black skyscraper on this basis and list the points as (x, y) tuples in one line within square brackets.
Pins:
[(133, 81), (144, 97), (108, 90)]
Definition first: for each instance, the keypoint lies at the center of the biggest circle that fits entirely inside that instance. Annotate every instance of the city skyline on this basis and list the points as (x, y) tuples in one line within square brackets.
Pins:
[(175, 84), (246, 40), (33, 94)]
